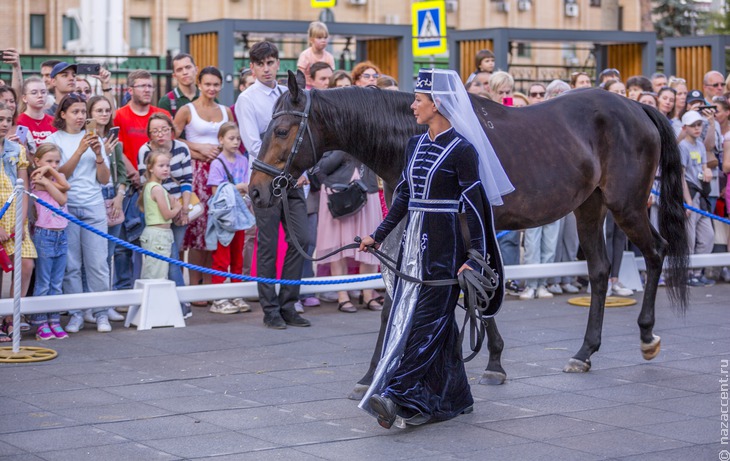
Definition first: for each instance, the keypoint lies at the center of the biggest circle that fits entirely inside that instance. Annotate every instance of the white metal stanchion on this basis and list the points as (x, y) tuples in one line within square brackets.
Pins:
[(18, 263)]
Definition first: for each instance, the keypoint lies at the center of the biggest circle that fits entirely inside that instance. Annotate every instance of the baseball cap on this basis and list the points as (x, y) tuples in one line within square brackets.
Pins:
[(695, 95), (691, 117), (61, 67)]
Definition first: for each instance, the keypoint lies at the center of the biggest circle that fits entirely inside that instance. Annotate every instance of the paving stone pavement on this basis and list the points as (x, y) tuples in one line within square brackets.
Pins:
[(226, 388)]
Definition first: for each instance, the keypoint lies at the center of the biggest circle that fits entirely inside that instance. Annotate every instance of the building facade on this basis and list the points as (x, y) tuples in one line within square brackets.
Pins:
[(150, 27)]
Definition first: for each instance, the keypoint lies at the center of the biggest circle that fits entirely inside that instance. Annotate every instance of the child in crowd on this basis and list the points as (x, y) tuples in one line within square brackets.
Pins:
[(49, 237), (318, 37), (230, 166), (158, 213)]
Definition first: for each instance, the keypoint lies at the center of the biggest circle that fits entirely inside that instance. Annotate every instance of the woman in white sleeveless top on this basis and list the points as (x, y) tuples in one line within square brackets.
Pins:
[(200, 121)]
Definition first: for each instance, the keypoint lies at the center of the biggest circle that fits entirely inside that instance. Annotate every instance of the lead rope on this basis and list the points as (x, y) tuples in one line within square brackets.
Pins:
[(479, 286)]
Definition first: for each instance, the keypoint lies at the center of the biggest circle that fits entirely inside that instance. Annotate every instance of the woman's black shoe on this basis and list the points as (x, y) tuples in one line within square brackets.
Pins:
[(385, 408)]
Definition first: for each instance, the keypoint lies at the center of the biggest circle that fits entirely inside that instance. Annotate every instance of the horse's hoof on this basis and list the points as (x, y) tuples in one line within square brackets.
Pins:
[(493, 378), (359, 392), (651, 350), (577, 366)]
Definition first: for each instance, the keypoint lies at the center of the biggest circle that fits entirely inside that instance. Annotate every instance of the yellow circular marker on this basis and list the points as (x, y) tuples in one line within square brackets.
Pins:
[(26, 354), (611, 301)]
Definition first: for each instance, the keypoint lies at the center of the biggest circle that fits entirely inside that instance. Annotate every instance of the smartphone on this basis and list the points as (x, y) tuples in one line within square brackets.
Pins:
[(91, 126), (113, 133), (88, 69), (508, 101), (22, 133), (701, 108)]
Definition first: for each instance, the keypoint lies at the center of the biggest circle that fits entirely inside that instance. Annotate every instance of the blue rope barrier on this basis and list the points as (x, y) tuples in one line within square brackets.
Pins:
[(702, 212), (5, 207), (245, 278)]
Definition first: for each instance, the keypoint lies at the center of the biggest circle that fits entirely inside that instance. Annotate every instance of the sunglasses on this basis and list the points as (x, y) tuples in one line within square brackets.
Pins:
[(537, 94), (715, 85), (369, 75)]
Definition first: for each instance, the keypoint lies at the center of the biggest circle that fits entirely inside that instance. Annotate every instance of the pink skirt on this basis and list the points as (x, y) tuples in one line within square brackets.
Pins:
[(334, 233)]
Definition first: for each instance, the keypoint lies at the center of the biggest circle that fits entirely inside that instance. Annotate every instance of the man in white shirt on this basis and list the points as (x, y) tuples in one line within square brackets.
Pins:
[(254, 109)]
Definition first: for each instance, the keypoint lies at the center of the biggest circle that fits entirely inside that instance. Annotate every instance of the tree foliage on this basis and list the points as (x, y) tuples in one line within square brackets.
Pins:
[(679, 18)]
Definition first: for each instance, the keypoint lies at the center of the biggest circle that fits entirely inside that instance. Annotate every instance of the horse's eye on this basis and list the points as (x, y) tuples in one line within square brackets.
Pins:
[(281, 132)]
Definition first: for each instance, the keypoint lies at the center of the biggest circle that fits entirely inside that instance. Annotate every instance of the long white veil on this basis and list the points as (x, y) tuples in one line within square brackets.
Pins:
[(452, 101)]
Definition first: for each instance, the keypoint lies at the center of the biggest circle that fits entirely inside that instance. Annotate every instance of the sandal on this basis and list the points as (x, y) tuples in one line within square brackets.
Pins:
[(4, 338), (375, 304), (7, 329), (347, 306)]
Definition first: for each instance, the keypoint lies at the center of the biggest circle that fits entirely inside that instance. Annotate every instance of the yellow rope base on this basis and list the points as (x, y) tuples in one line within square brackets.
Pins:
[(611, 301), (26, 354)]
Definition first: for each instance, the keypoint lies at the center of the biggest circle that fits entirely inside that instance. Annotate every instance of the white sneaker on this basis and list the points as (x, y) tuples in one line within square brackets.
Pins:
[(298, 307), (113, 315), (75, 324), (725, 275), (529, 293), (89, 317), (223, 306), (102, 324), (620, 290), (543, 293), (569, 288), (241, 305), (555, 289)]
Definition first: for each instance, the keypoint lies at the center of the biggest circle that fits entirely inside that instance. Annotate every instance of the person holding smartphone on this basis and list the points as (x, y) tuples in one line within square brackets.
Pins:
[(34, 119)]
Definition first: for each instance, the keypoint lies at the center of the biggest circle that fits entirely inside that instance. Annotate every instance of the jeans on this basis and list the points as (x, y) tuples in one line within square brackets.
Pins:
[(52, 247), (540, 245), (127, 264), (509, 246), (87, 249), (567, 248), (175, 272)]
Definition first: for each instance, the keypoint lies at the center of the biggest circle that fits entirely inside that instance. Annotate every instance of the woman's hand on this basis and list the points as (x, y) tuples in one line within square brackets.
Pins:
[(463, 268), (4, 236), (210, 151), (110, 144), (94, 144), (117, 203), (368, 242), (242, 188)]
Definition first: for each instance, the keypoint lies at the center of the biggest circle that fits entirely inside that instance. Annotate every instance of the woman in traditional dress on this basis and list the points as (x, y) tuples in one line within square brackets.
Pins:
[(420, 376)]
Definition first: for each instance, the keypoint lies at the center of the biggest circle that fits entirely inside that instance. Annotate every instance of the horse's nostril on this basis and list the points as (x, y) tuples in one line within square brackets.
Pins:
[(254, 193)]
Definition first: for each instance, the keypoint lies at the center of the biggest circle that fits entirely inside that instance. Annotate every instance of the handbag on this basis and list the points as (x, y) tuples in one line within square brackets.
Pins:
[(109, 205), (247, 216), (195, 208), (346, 200)]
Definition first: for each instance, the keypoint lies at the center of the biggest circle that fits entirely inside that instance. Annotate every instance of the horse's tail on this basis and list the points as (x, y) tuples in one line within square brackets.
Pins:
[(672, 216)]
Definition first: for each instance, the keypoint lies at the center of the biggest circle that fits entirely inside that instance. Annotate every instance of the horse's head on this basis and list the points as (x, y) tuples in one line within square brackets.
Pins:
[(287, 147)]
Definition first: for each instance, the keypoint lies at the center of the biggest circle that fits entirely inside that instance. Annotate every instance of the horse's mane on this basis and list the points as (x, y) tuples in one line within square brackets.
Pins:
[(378, 122)]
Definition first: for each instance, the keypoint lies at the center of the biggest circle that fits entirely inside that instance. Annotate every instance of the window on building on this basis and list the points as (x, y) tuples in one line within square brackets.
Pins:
[(37, 30), (524, 50), (173, 34), (596, 3), (70, 30), (140, 34)]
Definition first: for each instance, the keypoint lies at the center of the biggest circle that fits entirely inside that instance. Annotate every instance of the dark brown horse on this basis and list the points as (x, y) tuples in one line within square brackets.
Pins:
[(586, 151)]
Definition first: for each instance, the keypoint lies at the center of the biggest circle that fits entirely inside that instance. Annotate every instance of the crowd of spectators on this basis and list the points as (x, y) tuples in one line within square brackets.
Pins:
[(103, 165)]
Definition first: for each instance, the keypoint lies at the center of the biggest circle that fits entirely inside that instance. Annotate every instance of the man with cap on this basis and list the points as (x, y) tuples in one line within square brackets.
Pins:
[(63, 79), (700, 234)]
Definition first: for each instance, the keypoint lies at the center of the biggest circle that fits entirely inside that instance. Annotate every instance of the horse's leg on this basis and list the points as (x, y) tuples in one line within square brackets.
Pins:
[(364, 383), (494, 374), (590, 216), (637, 227)]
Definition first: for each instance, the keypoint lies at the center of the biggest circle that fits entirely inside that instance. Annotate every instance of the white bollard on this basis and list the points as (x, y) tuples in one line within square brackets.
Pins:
[(160, 306), (628, 273)]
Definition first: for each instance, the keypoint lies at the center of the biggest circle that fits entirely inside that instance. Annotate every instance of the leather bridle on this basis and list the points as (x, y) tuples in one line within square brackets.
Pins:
[(283, 179)]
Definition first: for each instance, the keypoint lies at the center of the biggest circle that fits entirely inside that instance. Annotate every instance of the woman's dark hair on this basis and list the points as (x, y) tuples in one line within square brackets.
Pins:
[(8, 89), (70, 99), (481, 56), (159, 116), (640, 81), (90, 108), (574, 77), (210, 70)]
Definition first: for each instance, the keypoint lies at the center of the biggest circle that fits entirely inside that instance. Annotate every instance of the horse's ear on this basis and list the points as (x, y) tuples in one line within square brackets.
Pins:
[(301, 79), (293, 85)]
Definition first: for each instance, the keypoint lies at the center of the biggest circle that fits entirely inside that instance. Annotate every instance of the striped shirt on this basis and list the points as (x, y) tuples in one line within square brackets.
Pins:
[(181, 171)]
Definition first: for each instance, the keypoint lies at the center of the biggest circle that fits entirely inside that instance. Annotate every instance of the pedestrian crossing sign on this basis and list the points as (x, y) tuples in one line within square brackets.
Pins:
[(323, 3), (429, 28)]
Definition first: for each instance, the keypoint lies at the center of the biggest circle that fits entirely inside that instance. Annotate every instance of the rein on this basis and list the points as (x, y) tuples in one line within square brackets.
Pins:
[(478, 286)]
